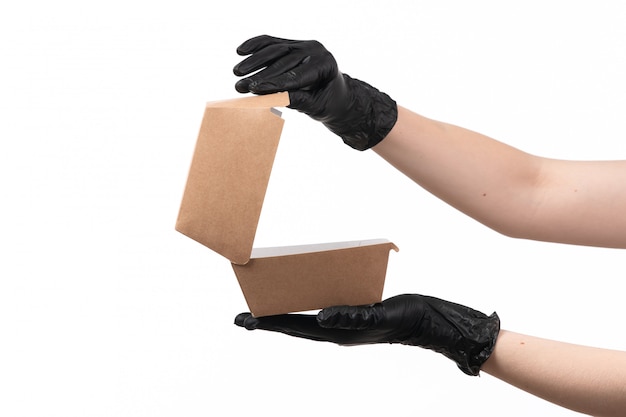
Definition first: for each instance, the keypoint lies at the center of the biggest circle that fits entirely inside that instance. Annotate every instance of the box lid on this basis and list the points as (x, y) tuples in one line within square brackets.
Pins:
[(229, 173)]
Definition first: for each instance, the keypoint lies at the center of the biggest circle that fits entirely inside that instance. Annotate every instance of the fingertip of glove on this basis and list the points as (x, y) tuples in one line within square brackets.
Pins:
[(252, 86), (246, 48), (243, 86), (327, 317), (254, 43), (245, 320), (240, 69)]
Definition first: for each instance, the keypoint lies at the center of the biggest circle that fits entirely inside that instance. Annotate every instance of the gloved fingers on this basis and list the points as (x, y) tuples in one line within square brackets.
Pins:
[(297, 325), (283, 65), (352, 317), (303, 326), (288, 74), (278, 76), (262, 85), (265, 58), (291, 76), (257, 43)]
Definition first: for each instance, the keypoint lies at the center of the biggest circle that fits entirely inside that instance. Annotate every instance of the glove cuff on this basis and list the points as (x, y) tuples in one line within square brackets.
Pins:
[(462, 334), (479, 347), (368, 118)]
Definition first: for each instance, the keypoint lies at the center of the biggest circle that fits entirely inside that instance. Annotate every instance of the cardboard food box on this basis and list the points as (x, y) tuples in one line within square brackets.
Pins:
[(221, 207)]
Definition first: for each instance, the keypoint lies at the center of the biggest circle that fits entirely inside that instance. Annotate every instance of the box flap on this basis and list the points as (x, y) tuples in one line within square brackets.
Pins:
[(229, 174)]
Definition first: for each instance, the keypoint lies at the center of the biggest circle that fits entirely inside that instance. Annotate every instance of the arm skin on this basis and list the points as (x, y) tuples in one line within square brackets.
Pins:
[(581, 378), (526, 196), (513, 192)]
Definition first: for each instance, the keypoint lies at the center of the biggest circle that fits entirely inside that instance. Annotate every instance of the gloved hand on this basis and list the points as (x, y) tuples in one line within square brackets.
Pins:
[(460, 333), (360, 114)]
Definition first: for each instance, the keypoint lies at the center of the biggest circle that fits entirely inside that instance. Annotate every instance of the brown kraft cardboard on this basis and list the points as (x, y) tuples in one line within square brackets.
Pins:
[(221, 206)]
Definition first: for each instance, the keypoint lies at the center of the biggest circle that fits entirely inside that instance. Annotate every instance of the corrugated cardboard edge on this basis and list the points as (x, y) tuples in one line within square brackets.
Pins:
[(229, 174), (314, 280)]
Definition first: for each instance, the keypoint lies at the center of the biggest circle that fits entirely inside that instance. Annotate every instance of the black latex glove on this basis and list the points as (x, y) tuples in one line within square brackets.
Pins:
[(360, 114), (460, 333)]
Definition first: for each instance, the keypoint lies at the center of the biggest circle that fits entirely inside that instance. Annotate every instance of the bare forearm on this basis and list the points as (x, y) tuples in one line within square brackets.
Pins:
[(583, 379), (511, 191), (466, 169)]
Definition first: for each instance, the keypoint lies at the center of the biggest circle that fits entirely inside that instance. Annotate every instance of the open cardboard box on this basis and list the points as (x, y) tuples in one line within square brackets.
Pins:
[(221, 206)]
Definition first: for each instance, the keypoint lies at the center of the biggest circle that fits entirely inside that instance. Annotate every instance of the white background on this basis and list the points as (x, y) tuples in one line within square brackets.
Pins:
[(105, 310)]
